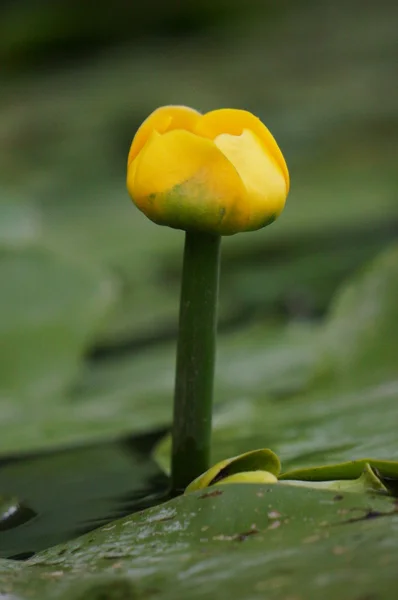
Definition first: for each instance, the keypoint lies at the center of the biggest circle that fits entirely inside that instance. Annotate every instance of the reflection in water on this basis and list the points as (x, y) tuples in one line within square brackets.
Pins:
[(13, 513), (47, 498)]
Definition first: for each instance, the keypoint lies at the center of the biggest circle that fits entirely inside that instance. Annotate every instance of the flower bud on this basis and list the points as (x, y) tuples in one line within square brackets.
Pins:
[(220, 173)]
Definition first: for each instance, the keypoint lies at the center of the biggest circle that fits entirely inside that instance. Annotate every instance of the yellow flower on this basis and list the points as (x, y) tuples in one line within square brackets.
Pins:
[(221, 172)]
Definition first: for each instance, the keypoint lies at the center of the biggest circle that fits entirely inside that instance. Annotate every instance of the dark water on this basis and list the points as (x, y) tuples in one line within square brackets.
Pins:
[(50, 497)]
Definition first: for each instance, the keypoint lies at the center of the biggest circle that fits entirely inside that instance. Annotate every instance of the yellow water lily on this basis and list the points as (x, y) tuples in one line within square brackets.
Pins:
[(221, 172)]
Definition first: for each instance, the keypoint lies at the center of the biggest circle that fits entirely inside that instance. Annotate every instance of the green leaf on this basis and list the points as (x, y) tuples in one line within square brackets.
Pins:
[(263, 466), (347, 470), (20, 222), (255, 460), (361, 336), (368, 481), (49, 310), (240, 540)]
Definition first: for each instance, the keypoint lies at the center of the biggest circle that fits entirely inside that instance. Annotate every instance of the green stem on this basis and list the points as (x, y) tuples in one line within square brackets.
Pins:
[(195, 359)]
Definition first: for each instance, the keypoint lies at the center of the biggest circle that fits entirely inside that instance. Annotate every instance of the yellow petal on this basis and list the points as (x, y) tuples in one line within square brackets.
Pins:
[(262, 177), (165, 118), (249, 477), (184, 181), (234, 122)]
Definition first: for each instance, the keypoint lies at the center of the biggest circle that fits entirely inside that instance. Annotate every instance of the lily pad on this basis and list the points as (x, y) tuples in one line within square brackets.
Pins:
[(263, 466), (50, 307), (361, 336), (347, 470), (245, 540)]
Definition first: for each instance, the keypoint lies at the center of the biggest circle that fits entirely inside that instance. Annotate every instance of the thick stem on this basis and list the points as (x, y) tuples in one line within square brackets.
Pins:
[(195, 359)]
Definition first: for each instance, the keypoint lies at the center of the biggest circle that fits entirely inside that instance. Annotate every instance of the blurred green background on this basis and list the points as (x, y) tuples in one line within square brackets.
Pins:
[(89, 287)]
